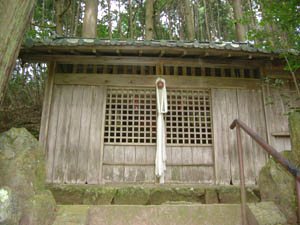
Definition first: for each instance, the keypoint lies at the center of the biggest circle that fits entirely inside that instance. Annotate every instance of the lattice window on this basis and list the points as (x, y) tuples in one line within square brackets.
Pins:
[(131, 117), (189, 118)]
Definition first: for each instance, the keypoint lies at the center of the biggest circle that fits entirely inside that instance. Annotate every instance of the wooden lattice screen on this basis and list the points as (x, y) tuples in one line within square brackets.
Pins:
[(131, 117), (189, 118)]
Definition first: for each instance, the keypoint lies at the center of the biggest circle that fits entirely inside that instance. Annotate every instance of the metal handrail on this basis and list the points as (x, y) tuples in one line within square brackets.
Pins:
[(272, 151)]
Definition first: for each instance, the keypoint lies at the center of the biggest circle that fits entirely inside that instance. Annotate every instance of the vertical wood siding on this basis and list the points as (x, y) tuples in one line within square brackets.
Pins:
[(73, 153), (132, 164), (75, 149), (276, 116), (246, 105)]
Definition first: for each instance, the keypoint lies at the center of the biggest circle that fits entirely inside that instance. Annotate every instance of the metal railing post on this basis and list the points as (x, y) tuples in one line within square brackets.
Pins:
[(273, 152), (242, 175), (298, 198)]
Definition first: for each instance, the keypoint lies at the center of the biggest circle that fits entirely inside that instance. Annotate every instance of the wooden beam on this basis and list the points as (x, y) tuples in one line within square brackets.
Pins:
[(125, 80), (75, 52), (184, 53), (280, 134), (153, 164), (134, 60)]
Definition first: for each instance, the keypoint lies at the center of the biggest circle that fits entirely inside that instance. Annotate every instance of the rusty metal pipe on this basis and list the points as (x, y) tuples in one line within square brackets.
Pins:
[(276, 155), (298, 198), (242, 175)]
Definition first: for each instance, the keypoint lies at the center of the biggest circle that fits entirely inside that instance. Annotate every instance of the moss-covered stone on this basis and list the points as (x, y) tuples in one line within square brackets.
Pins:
[(160, 195), (40, 209), (68, 194), (22, 162), (71, 215), (267, 213), (191, 194), (134, 195), (99, 195), (22, 169), (232, 194), (276, 184), (10, 210), (211, 196)]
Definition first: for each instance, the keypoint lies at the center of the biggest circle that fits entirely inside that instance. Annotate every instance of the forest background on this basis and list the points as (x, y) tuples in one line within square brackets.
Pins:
[(269, 24)]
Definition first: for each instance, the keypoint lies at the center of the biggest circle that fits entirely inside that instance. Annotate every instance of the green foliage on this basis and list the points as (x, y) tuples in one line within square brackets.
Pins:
[(24, 96), (278, 28)]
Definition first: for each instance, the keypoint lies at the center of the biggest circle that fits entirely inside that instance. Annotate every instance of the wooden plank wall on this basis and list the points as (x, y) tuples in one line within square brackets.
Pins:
[(74, 148), (276, 116), (246, 105), (74, 136), (134, 164)]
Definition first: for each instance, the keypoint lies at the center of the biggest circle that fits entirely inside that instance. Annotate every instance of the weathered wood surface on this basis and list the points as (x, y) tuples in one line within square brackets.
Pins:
[(46, 106), (52, 131), (62, 57), (73, 154), (276, 115), (246, 105), (63, 123), (149, 81), (136, 164), (224, 112), (250, 106), (96, 136)]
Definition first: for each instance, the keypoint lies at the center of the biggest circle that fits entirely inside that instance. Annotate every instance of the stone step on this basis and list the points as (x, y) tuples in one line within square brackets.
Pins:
[(149, 195), (71, 215), (200, 214), (265, 213)]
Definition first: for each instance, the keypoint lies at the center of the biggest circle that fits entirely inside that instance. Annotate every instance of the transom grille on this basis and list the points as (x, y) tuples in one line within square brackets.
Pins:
[(131, 117), (171, 70)]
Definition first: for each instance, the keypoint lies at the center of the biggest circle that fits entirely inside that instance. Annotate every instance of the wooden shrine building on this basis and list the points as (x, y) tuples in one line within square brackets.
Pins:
[(99, 114)]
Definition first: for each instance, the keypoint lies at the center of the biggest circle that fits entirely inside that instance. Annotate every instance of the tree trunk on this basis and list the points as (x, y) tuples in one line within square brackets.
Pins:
[(12, 29), (212, 22), (238, 14), (109, 20), (120, 21), (89, 29), (77, 18), (197, 21), (181, 21), (130, 20), (219, 6), (149, 20), (206, 21), (59, 7), (170, 25), (73, 18), (189, 20)]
